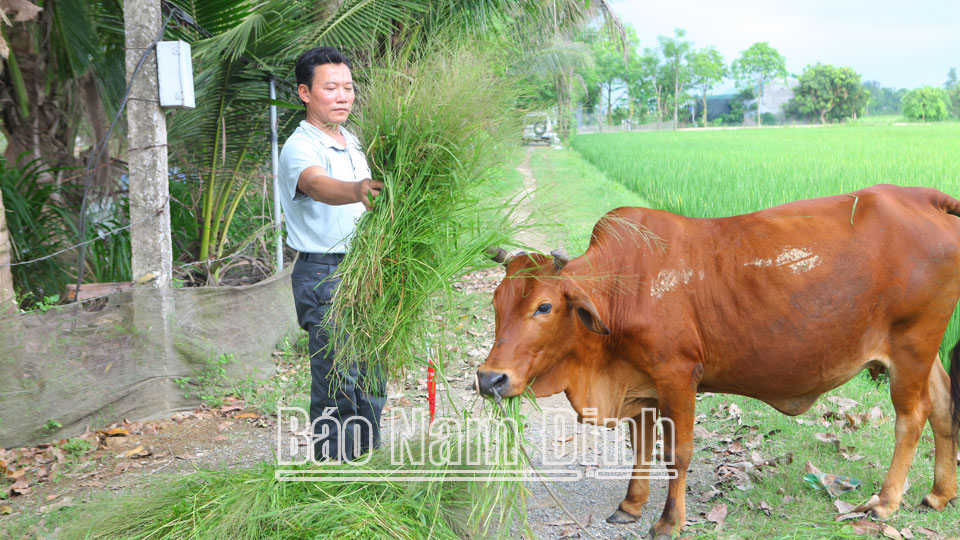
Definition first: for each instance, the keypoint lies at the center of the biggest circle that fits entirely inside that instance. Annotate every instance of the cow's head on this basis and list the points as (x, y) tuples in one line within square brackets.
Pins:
[(541, 314)]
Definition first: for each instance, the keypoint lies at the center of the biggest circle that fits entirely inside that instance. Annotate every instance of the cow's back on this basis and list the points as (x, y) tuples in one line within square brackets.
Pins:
[(790, 301)]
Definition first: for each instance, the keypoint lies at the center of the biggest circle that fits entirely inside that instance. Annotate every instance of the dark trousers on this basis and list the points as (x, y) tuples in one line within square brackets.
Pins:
[(347, 399)]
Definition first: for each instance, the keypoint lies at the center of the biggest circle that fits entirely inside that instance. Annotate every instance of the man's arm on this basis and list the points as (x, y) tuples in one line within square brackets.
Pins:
[(318, 186)]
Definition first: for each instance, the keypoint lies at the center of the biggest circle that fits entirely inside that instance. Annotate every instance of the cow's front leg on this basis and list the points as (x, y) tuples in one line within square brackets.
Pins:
[(643, 438), (677, 404)]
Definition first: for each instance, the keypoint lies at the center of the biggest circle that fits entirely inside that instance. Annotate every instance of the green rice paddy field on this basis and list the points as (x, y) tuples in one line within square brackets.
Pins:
[(715, 173), (725, 172)]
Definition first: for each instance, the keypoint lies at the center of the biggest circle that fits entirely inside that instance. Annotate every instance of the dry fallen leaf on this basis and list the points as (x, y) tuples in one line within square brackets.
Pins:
[(828, 438), (710, 495), (931, 534), (115, 432), (845, 404), (718, 514), (247, 415), (842, 507), (854, 420), (867, 506), (21, 486), (766, 508), (875, 415), (865, 527), (137, 452), (700, 432), (890, 532), (5, 509), (906, 533)]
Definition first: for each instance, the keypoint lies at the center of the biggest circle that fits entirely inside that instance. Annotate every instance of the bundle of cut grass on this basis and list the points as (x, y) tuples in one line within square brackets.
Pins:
[(435, 126), (254, 505)]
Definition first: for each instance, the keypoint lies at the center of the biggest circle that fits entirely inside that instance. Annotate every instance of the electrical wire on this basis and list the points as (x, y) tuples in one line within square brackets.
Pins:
[(103, 144)]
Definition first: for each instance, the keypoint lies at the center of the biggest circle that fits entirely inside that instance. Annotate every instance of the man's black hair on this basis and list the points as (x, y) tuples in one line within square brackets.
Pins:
[(317, 57)]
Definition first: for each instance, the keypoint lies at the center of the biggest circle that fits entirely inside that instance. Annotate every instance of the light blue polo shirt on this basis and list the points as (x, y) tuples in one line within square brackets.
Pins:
[(312, 226)]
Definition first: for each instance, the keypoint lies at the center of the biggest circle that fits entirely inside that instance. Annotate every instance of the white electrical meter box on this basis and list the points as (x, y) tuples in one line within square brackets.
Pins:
[(175, 74)]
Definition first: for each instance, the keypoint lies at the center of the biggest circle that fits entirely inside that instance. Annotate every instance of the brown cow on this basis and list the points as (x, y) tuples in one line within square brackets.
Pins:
[(780, 305)]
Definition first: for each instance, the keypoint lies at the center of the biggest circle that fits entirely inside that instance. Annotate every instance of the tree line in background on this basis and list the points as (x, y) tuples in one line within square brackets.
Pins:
[(626, 83)]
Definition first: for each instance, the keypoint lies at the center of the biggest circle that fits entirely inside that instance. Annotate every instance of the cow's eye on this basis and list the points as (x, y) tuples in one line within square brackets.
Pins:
[(543, 308)]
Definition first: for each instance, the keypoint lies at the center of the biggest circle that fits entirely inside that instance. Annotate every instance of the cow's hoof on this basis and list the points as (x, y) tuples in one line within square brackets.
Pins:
[(654, 535), (934, 502), (620, 517), (879, 513)]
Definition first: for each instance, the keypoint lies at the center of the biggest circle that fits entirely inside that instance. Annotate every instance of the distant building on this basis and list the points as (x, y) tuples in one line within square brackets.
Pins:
[(717, 106), (775, 97)]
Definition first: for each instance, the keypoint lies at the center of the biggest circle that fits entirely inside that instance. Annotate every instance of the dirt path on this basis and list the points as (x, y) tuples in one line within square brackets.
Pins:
[(527, 235)]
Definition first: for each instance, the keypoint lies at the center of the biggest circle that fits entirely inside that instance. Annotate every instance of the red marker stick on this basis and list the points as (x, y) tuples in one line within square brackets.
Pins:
[(431, 389)]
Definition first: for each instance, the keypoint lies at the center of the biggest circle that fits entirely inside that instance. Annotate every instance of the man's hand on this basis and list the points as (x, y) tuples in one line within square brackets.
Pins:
[(367, 191)]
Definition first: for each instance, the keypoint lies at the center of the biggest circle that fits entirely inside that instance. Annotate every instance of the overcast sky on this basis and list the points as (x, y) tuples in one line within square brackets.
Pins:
[(902, 43)]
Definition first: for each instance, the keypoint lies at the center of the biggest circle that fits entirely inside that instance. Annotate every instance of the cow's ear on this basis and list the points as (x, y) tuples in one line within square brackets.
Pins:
[(585, 309)]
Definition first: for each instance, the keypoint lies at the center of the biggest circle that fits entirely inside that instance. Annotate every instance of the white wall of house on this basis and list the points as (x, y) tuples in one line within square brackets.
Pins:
[(775, 97)]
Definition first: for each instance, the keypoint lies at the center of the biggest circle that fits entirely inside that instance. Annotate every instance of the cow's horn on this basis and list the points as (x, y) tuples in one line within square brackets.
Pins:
[(498, 254), (560, 258)]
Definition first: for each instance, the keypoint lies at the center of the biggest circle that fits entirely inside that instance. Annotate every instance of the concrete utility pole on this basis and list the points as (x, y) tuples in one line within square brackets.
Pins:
[(8, 299), (147, 139), (152, 257)]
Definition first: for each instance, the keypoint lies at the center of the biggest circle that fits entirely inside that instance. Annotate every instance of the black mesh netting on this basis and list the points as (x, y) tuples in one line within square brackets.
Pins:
[(138, 354)]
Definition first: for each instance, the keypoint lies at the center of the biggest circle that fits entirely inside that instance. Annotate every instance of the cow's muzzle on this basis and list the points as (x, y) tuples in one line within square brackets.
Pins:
[(492, 383)]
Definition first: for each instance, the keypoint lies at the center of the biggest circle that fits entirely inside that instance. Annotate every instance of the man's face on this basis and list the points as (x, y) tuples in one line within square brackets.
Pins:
[(330, 98)]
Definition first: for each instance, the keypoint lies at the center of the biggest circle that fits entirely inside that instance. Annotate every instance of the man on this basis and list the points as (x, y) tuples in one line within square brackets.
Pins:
[(325, 187)]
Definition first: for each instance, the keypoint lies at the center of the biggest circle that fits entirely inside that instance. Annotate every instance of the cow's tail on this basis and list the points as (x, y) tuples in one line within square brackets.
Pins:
[(955, 383), (951, 206)]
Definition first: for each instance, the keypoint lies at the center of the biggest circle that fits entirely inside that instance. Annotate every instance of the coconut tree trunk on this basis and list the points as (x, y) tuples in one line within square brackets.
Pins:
[(676, 93), (759, 102), (609, 103), (704, 107)]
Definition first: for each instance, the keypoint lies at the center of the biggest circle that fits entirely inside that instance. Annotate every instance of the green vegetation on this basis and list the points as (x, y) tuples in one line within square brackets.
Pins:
[(253, 504), (76, 447), (211, 384), (290, 387), (828, 92), (723, 173), (926, 104), (758, 66), (798, 511), (571, 196), (883, 99)]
